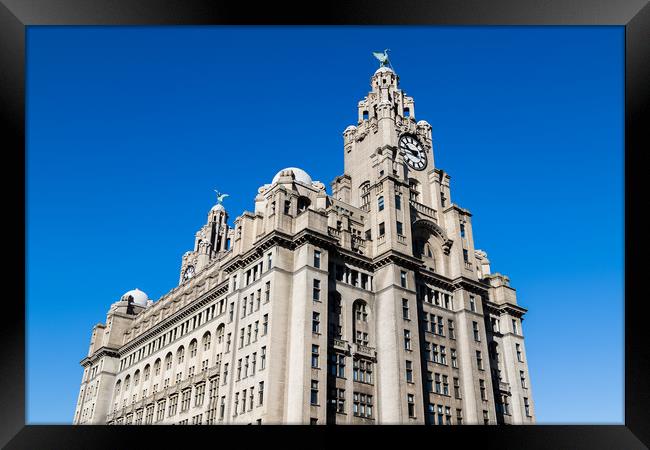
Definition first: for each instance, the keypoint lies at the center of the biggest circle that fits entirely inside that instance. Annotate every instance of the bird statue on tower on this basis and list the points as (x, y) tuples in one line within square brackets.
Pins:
[(383, 58), (220, 197)]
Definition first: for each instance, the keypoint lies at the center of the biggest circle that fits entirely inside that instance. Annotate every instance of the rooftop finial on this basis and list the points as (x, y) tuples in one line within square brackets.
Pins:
[(220, 197), (383, 58)]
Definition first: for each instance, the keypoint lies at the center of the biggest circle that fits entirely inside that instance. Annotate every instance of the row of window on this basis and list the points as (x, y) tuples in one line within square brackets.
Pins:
[(351, 276), (176, 333), (248, 397), (251, 332), (434, 297)]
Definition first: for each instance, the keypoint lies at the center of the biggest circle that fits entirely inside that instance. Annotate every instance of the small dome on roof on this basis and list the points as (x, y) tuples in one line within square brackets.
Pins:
[(422, 123), (350, 128), (218, 207), (139, 297), (384, 69), (299, 174)]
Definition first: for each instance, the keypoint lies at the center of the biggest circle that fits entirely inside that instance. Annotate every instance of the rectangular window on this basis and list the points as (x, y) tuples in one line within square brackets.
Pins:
[(241, 338), (287, 206), (437, 385), (317, 259), (518, 348), (482, 388), (316, 291), (231, 312), (479, 360), (267, 292), (398, 201), (314, 392), (409, 372), (427, 351), (462, 230), (380, 203), (452, 332), (477, 337), (400, 230), (410, 401), (486, 417), (362, 405), (405, 308), (315, 322), (314, 356), (337, 365), (522, 377), (514, 326), (402, 278), (457, 388), (260, 393), (465, 255), (472, 303), (407, 340), (445, 385), (269, 261), (527, 406), (263, 358), (338, 399), (382, 229), (265, 324), (443, 355)]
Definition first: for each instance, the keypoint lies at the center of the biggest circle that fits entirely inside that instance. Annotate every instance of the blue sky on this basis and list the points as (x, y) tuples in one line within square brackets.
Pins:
[(129, 130)]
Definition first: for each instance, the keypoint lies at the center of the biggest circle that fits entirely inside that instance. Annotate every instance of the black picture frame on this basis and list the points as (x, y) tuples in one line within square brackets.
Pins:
[(634, 15)]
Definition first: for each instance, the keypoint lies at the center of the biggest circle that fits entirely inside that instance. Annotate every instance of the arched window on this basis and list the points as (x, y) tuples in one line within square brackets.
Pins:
[(365, 194), (193, 346), (180, 354), (207, 337), (360, 311), (360, 327), (127, 382), (156, 367), (136, 378), (118, 386), (146, 372), (168, 361), (303, 204), (220, 333)]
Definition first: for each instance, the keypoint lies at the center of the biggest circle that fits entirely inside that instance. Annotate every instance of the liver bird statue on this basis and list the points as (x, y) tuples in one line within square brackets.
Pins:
[(220, 197), (383, 58)]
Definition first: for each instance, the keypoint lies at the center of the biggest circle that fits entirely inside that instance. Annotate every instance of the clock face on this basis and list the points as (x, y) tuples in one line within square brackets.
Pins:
[(413, 151), (189, 273)]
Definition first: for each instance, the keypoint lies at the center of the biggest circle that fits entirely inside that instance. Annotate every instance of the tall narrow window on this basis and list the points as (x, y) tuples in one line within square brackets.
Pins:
[(263, 358), (317, 259), (382, 229), (410, 401), (315, 322), (518, 348), (479, 360), (260, 393), (407, 340), (405, 308), (514, 326), (400, 228), (527, 406), (398, 201), (265, 324), (380, 203), (477, 337), (316, 291), (409, 372), (402, 278), (314, 356), (462, 230), (269, 261), (456, 388), (314, 392), (522, 377), (472, 303), (287, 206), (482, 388)]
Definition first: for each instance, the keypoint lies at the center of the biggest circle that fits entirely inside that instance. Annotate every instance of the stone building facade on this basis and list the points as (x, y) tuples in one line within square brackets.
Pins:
[(369, 305)]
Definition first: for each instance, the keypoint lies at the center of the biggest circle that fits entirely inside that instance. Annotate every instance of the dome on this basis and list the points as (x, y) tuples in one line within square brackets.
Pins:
[(423, 123), (139, 297), (299, 174), (384, 69), (350, 128), (218, 207)]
